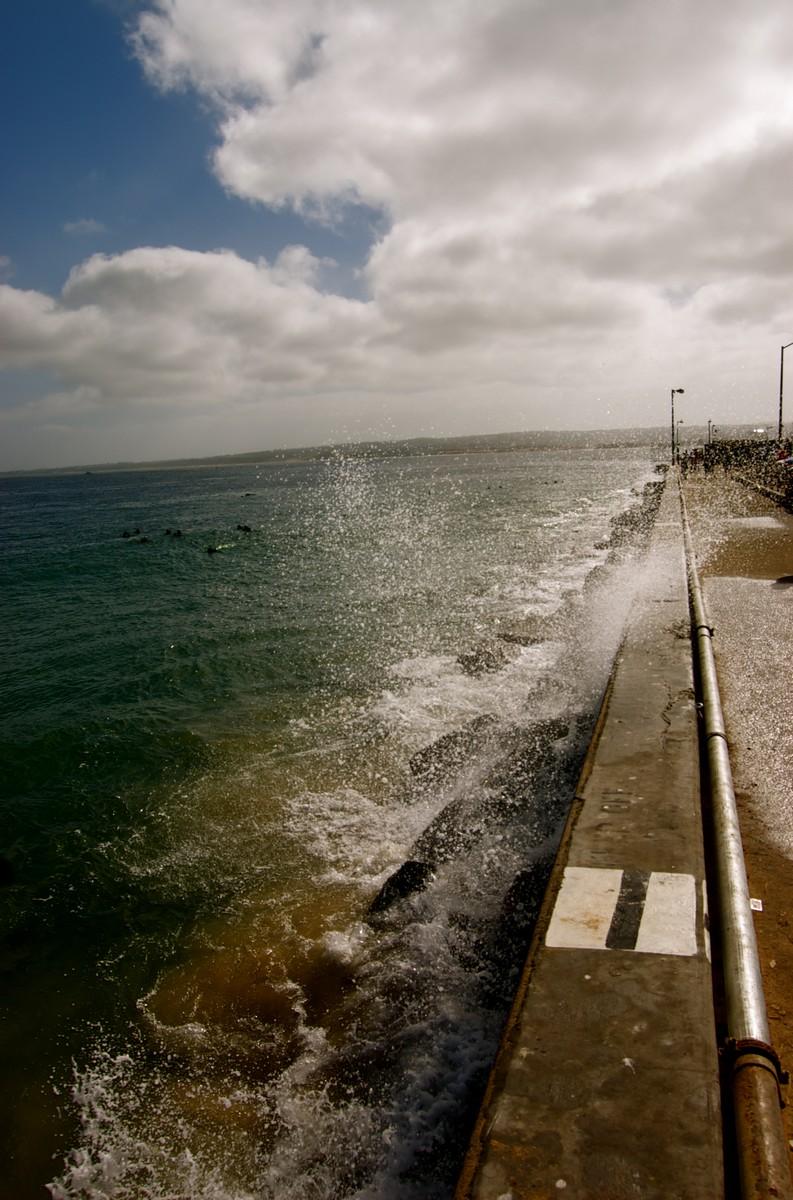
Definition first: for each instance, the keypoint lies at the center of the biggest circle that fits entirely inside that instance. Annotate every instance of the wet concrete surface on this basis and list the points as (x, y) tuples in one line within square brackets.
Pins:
[(607, 1080)]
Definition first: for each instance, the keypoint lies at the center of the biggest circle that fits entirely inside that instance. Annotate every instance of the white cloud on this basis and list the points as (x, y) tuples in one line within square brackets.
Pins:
[(428, 103), (165, 325), (85, 227)]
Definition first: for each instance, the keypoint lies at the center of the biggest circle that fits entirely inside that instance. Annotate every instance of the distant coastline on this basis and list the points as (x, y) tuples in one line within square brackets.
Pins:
[(498, 443)]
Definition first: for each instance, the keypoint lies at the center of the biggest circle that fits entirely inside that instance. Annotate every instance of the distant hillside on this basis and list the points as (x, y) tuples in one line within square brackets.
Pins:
[(398, 448), (408, 447)]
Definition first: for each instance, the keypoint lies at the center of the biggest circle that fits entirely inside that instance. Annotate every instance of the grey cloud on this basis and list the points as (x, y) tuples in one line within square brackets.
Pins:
[(727, 218)]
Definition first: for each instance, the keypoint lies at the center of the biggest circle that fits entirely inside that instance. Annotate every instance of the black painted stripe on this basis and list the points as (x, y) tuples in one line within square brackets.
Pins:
[(624, 928)]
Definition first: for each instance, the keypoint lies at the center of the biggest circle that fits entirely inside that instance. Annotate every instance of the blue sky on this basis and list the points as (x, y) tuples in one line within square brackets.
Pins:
[(279, 222), (89, 141)]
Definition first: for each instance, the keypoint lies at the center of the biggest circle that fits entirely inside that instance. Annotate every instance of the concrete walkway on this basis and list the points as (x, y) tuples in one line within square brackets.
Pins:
[(606, 1083)]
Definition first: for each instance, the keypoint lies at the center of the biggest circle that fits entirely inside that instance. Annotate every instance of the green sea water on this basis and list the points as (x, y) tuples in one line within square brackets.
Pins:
[(205, 779)]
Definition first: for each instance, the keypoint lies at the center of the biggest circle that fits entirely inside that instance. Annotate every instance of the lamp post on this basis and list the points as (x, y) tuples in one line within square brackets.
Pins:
[(678, 392), (710, 431), (677, 439), (782, 350)]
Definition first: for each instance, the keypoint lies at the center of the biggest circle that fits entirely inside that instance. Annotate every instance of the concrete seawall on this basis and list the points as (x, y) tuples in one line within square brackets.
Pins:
[(606, 1083)]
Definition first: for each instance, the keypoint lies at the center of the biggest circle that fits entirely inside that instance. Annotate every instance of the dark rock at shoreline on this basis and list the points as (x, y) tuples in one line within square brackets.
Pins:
[(488, 656), (520, 909), (450, 751), (533, 752), (531, 764), (520, 639), (412, 876), (638, 520)]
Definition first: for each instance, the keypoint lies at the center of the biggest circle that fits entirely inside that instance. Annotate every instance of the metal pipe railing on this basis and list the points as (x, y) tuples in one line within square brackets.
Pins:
[(762, 1149)]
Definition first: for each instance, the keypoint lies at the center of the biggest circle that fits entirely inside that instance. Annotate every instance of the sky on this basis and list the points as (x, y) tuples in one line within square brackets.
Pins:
[(270, 223)]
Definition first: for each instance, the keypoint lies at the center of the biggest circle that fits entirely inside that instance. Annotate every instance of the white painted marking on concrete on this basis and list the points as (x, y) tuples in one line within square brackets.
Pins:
[(584, 908), (669, 920), (706, 919), (755, 904), (587, 901)]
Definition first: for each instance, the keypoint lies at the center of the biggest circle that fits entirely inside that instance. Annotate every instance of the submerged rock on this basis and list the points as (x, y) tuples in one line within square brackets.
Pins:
[(489, 656)]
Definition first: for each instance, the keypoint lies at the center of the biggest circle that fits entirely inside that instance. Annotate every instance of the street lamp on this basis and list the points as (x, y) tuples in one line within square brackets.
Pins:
[(679, 423), (781, 378), (678, 392), (710, 431)]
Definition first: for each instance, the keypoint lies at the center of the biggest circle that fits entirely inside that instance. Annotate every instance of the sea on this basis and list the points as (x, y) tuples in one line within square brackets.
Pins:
[(236, 701)]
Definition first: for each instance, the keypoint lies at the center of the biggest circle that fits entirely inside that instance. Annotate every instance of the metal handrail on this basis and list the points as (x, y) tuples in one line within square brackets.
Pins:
[(762, 1149)]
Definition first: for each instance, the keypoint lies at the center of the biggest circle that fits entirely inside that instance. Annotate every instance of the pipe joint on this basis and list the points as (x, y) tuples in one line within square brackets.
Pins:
[(751, 1052)]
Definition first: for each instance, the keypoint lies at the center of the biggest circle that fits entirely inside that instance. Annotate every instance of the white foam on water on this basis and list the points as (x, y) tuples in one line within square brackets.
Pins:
[(353, 837), (757, 522), (116, 1161), (434, 695)]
